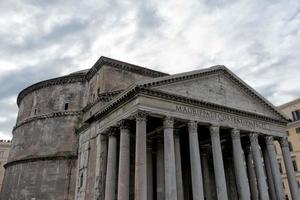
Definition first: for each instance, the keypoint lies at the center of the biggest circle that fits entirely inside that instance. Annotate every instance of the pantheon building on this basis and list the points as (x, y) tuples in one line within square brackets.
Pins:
[(125, 132)]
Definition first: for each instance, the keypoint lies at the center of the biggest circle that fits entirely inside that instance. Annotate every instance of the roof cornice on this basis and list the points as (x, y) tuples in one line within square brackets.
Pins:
[(50, 82), (285, 105), (124, 66), (47, 116), (178, 98)]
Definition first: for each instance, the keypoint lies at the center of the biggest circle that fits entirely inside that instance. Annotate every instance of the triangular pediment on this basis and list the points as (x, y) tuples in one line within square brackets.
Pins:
[(216, 85)]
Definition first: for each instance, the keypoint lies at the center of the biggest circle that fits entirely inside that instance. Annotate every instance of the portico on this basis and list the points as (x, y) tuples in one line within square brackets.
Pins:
[(212, 139), (185, 148)]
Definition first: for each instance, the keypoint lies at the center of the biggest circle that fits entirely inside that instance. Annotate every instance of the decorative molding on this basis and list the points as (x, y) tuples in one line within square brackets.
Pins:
[(168, 123), (72, 78), (235, 134), (42, 158), (214, 131), (47, 116), (284, 142), (269, 140), (219, 117), (253, 138), (193, 127), (178, 98)]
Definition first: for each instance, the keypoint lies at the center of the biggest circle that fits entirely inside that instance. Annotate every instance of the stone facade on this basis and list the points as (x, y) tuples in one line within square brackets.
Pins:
[(4, 151), (293, 131), (120, 131)]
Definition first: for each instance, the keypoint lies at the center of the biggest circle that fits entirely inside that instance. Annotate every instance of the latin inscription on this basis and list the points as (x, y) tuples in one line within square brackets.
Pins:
[(220, 117)]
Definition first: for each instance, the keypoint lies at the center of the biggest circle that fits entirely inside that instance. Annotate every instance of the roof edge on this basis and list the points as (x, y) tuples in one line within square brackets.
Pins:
[(289, 103), (71, 78), (123, 65)]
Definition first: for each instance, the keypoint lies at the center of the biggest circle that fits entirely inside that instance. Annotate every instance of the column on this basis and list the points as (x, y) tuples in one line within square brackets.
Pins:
[(289, 168), (259, 169), (272, 191), (218, 163), (169, 153), (274, 168), (252, 175), (178, 166), (196, 172), (149, 173), (239, 166), (124, 162), (111, 169), (206, 177), (140, 187), (160, 168), (100, 171)]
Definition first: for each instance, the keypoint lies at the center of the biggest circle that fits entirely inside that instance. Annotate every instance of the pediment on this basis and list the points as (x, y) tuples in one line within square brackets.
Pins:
[(219, 88)]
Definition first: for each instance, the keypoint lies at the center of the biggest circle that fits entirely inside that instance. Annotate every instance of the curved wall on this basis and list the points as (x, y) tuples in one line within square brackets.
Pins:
[(44, 147), (51, 99), (41, 180)]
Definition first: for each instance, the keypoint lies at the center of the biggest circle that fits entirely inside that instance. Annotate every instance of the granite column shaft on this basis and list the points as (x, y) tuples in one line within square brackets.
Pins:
[(140, 187), (170, 164), (289, 168), (196, 172), (259, 169), (239, 166), (218, 163)]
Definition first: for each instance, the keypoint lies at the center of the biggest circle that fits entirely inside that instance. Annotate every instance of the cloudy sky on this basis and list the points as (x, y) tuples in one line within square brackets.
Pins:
[(258, 40)]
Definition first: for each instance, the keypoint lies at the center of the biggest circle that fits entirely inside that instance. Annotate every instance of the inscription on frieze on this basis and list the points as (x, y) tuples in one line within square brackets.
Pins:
[(220, 117)]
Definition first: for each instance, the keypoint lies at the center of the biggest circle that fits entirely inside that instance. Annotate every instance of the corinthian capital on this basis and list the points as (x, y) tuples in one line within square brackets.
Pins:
[(253, 138), (168, 122), (235, 134), (123, 124), (214, 131), (112, 131), (192, 126), (141, 116), (284, 142), (269, 140)]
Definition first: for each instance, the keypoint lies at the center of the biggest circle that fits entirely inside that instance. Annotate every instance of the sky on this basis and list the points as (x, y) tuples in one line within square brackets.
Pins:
[(259, 40)]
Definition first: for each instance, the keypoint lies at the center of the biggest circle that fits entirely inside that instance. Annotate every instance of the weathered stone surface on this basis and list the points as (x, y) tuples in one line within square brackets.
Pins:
[(46, 137), (52, 99), (46, 180)]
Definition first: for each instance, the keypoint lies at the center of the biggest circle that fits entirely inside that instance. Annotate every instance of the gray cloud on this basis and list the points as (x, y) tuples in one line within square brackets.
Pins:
[(258, 40)]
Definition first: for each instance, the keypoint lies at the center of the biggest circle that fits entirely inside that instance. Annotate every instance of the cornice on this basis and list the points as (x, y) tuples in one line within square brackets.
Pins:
[(124, 66), (177, 98), (291, 103), (50, 82), (42, 158), (82, 128), (294, 124), (208, 105), (47, 116), (106, 97)]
